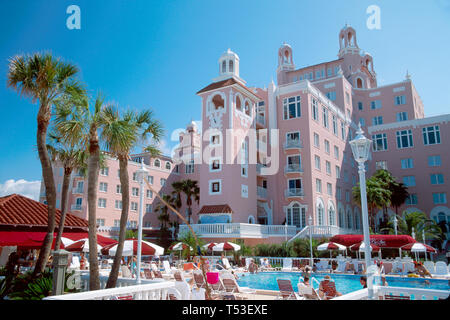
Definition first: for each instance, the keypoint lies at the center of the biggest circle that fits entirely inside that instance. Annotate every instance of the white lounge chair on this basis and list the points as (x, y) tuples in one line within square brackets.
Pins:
[(167, 268), (184, 288), (441, 269), (126, 273), (429, 265), (341, 266), (287, 264)]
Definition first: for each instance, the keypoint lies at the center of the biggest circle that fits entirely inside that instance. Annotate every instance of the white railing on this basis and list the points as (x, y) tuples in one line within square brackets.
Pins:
[(294, 192), (121, 282), (293, 144), (239, 230), (322, 231), (77, 190), (149, 291), (75, 207), (293, 168), (412, 293), (262, 192)]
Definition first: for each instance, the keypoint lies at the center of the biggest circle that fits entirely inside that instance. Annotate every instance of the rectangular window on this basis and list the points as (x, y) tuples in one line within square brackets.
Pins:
[(329, 189), (360, 106), (439, 198), (148, 208), (379, 142), (116, 223), (338, 172), (347, 196), (103, 186), (402, 116), (316, 140), (294, 184), (317, 162), (215, 187), (135, 176), (407, 163), (411, 199), (399, 100), (315, 110), (149, 194), (319, 185), (409, 181), (376, 104), (346, 178), (215, 139), (437, 178), (335, 128), (339, 193), (134, 206), (325, 117), (215, 165), (292, 108), (163, 182), (118, 204), (150, 179), (190, 167), (431, 135), (327, 146), (381, 165), (347, 98), (104, 171), (434, 161), (328, 167), (331, 95), (376, 121), (118, 189), (362, 121), (101, 203), (100, 222), (404, 139), (329, 72), (135, 191), (336, 152), (342, 130)]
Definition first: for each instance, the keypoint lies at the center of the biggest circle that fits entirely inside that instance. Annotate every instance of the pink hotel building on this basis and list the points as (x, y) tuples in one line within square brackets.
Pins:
[(280, 155)]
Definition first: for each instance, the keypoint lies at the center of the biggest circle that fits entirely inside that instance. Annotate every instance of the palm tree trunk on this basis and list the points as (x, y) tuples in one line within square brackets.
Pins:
[(124, 182), (43, 120), (93, 171), (64, 196)]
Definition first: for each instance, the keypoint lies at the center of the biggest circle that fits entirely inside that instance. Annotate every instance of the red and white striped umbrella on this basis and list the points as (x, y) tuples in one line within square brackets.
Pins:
[(81, 245), (331, 246), (130, 249), (418, 247), (225, 246), (360, 246), (209, 246), (180, 246)]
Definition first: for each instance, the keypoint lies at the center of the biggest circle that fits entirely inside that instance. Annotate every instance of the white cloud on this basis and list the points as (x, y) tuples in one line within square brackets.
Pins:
[(30, 189)]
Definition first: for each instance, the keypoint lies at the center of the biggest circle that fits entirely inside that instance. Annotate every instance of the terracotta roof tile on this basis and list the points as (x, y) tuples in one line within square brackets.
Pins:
[(224, 208), (226, 83), (18, 210)]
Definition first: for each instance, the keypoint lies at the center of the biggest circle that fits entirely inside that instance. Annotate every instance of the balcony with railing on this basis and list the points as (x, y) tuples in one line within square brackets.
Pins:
[(261, 192), (76, 207), (239, 230), (293, 168), (293, 144), (294, 192), (77, 190)]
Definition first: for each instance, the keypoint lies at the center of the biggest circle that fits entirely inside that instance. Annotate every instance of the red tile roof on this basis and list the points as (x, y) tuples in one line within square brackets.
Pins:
[(18, 210), (224, 208), (226, 83)]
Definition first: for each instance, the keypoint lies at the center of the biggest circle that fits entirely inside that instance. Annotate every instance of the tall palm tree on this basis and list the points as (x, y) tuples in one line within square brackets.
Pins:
[(164, 211), (377, 197), (177, 187), (43, 78), (71, 157), (399, 195), (77, 121), (192, 192), (121, 133)]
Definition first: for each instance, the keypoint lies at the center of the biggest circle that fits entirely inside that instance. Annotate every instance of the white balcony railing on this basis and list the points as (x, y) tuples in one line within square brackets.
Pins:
[(239, 230), (323, 232), (294, 192), (293, 168), (293, 144), (75, 207), (262, 192), (412, 293)]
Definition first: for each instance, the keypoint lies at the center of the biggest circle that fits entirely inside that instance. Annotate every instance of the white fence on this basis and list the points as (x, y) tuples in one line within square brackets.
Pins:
[(323, 232), (412, 293)]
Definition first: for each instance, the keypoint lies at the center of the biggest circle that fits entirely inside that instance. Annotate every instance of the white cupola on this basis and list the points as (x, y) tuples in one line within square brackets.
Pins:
[(228, 66), (285, 60)]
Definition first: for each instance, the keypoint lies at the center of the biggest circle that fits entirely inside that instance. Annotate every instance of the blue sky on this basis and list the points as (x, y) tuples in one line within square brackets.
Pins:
[(157, 54)]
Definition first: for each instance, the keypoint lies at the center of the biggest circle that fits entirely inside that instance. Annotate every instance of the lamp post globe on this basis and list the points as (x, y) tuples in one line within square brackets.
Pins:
[(361, 150), (141, 176)]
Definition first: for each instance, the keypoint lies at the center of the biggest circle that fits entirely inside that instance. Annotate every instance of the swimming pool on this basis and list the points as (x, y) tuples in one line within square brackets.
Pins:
[(344, 283)]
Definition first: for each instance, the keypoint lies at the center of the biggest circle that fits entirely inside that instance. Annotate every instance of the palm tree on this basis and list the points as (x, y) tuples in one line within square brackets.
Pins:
[(417, 221), (76, 122), (191, 190), (163, 209), (399, 195), (71, 157), (120, 135), (377, 197), (43, 78), (177, 187)]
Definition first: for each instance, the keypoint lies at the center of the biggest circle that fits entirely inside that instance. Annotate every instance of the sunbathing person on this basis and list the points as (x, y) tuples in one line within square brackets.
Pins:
[(327, 289), (266, 263), (306, 290), (421, 270)]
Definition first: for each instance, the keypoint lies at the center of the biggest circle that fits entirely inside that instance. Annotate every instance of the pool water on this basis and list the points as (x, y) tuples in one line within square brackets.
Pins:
[(344, 283)]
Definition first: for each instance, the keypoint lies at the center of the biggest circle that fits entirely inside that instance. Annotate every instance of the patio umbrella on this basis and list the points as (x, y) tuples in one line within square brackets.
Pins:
[(130, 248), (225, 246), (331, 246), (81, 245), (361, 246), (180, 246), (209, 246), (418, 247)]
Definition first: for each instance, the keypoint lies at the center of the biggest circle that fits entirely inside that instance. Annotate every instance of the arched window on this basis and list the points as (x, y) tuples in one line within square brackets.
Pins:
[(168, 166), (286, 56), (320, 220), (157, 163), (224, 66), (341, 218), (218, 102), (296, 216), (349, 220), (247, 107), (359, 83), (441, 217), (331, 216), (357, 223), (251, 220), (238, 103), (230, 66)]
